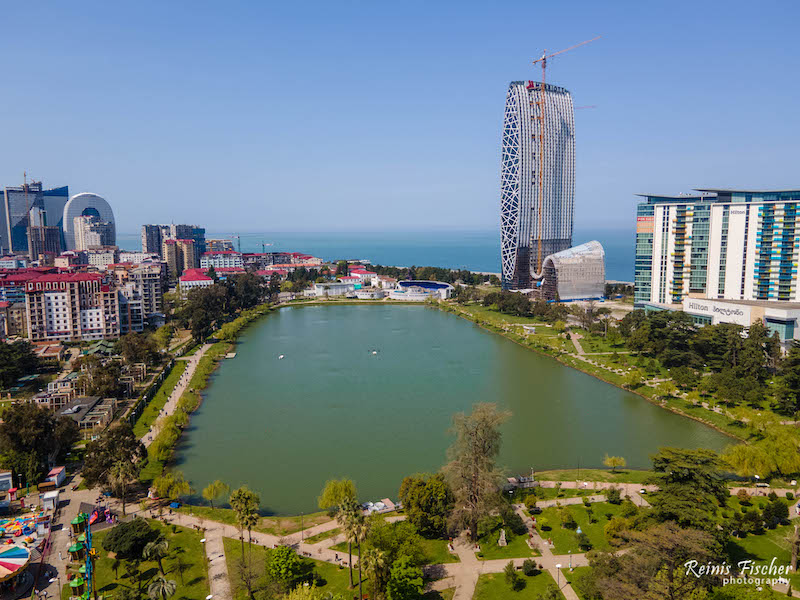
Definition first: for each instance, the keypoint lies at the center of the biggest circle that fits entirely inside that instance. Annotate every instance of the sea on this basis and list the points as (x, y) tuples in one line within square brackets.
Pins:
[(454, 249)]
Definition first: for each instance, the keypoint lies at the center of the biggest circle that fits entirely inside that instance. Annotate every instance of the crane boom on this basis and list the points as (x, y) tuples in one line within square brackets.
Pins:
[(540, 157)]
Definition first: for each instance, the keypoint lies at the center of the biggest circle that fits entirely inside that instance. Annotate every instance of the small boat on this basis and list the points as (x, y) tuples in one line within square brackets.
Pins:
[(374, 352), (280, 357)]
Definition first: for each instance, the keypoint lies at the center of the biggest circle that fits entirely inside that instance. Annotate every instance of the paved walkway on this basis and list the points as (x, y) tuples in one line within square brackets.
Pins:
[(172, 402)]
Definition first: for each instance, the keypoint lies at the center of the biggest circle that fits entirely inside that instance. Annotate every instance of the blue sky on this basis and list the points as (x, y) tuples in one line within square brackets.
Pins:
[(304, 116)]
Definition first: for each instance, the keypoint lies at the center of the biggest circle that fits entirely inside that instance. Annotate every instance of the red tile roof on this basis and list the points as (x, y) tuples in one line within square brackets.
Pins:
[(193, 276)]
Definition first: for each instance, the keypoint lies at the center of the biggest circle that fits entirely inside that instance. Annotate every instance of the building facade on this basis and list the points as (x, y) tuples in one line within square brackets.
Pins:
[(718, 244), (84, 205), (71, 307), (18, 202), (90, 232), (43, 240), (575, 274), (222, 260), (536, 210)]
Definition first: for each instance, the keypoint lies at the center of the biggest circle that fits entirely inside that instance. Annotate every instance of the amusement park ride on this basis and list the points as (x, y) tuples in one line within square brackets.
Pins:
[(83, 586)]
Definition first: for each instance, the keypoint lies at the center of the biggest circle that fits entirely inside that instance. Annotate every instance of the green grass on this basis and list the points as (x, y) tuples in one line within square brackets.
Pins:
[(620, 476), (576, 572), (325, 535), (763, 548), (279, 526), (330, 578), (442, 595), (494, 587), (192, 584), (434, 552), (150, 412), (517, 546), (565, 539)]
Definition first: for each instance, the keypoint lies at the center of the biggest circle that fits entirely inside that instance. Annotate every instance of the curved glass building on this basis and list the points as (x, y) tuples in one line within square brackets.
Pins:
[(87, 205), (523, 225)]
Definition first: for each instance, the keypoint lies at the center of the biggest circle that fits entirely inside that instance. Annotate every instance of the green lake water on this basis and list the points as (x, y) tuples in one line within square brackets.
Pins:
[(331, 408)]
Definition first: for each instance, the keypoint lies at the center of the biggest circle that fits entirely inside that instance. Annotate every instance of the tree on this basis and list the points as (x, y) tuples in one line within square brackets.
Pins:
[(172, 485), (427, 500), (99, 378), (349, 516), (360, 530), (511, 576), (30, 436), (245, 504), (691, 486), (157, 550), (138, 348), (336, 493), (284, 565), (133, 571), (128, 539), (123, 473), (472, 473), (375, 564), (161, 588), (614, 461), (214, 490), (656, 564), (16, 360), (116, 444)]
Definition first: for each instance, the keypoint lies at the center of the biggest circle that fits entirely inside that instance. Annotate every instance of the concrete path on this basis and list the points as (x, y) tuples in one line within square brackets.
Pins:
[(172, 402)]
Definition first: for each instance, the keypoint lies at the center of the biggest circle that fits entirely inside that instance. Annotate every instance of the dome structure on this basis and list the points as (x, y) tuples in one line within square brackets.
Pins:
[(576, 273), (83, 205)]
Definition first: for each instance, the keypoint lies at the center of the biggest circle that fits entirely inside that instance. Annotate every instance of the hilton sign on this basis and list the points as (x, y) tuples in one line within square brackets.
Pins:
[(720, 312)]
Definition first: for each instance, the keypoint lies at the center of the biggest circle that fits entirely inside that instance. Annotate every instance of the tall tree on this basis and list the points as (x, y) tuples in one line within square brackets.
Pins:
[(472, 472), (123, 473), (31, 436), (428, 501), (337, 492), (245, 504), (214, 490), (157, 550), (161, 588)]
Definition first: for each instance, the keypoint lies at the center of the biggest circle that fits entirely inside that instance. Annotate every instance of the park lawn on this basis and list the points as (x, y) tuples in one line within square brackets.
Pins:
[(593, 343), (316, 539), (763, 548), (150, 412), (434, 552), (494, 587), (440, 595), (571, 576), (495, 317), (186, 554), (564, 540), (330, 578), (279, 526), (517, 547), (544, 493), (618, 476)]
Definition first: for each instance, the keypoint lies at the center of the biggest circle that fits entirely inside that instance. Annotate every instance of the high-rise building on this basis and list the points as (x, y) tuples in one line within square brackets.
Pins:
[(179, 255), (151, 239), (90, 231), (718, 244), (71, 307), (536, 211), (43, 240), (15, 213), (87, 205)]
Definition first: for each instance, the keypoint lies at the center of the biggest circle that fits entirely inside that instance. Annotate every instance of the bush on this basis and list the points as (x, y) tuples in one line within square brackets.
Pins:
[(530, 501), (583, 541), (744, 497), (529, 568), (614, 496), (789, 496), (128, 540)]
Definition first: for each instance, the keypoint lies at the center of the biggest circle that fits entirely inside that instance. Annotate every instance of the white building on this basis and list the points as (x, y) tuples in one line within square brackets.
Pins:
[(333, 288), (86, 205), (718, 244), (138, 257), (224, 259), (90, 232), (193, 279), (102, 257)]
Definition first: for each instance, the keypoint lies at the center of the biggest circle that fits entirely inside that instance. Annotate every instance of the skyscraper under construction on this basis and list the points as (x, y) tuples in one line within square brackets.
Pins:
[(536, 209)]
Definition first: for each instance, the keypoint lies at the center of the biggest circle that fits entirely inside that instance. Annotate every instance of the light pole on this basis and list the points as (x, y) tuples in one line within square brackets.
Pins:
[(301, 527), (558, 575)]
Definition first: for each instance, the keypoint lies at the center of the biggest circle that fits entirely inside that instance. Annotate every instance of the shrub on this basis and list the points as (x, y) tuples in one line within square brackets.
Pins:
[(772, 496), (743, 497), (530, 501), (583, 541), (614, 496), (789, 496), (529, 568)]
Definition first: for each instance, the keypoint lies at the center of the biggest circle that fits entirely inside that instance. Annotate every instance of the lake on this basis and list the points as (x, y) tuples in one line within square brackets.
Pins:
[(368, 392)]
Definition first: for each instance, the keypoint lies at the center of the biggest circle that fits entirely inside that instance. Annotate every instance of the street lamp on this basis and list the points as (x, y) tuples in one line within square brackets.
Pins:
[(558, 575), (570, 560)]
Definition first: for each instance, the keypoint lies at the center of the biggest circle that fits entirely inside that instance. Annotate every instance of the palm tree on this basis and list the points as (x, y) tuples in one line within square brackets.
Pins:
[(157, 550), (133, 572), (121, 474), (347, 516), (161, 588), (250, 520), (360, 529), (245, 504), (214, 490), (375, 563)]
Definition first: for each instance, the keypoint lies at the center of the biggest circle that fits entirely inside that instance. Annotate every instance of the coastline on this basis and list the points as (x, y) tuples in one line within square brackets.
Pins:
[(557, 357)]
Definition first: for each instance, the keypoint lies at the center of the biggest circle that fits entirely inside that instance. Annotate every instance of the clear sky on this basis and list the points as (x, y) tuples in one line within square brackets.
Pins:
[(304, 116)]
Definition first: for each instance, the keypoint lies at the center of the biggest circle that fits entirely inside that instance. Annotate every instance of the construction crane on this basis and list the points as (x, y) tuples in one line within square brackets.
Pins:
[(540, 158)]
